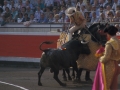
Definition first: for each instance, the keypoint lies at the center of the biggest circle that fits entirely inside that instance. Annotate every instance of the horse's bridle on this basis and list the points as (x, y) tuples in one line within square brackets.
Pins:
[(99, 42)]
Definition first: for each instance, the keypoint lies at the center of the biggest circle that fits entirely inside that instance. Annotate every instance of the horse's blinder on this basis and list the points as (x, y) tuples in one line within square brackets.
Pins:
[(102, 34)]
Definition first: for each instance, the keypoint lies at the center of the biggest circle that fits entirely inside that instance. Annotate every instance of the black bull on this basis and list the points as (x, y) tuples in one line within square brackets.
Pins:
[(57, 59)]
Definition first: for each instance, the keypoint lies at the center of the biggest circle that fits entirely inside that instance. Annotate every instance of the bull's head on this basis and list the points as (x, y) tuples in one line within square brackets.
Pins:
[(77, 47)]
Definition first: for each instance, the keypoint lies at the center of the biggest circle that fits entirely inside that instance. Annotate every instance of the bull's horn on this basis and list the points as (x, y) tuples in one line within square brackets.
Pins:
[(84, 42)]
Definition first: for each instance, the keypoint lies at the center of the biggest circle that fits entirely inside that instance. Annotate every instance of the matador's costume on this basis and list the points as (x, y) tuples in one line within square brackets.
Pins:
[(108, 70)]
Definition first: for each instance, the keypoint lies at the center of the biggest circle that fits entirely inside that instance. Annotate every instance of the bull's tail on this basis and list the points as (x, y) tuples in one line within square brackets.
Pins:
[(46, 42)]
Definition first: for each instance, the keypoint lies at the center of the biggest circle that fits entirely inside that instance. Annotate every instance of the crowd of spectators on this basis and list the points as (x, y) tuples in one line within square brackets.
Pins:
[(53, 11)]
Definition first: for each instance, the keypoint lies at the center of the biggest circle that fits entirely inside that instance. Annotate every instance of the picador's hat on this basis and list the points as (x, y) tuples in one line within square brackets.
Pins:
[(70, 11)]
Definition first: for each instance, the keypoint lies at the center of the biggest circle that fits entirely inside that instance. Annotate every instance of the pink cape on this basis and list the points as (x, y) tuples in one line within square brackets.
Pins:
[(99, 79)]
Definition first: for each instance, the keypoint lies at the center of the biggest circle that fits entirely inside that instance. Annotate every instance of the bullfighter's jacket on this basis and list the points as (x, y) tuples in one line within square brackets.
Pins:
[(112, 50)]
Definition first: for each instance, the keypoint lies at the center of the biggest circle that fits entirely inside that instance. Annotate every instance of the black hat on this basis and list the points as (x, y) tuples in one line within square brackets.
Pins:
[(111, 30)]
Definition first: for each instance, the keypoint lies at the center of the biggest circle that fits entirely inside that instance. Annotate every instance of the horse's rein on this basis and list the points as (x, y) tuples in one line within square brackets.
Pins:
[(92, 35)]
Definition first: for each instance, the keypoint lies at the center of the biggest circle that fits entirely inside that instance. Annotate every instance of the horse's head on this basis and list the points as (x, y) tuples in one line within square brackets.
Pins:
[(97, 33)]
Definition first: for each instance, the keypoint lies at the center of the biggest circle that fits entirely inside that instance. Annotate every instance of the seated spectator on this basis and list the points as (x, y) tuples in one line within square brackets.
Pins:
[(16, 1), (10, 19), (102, 3), (102, 18), (80, 3), (88, 5), (47, 12), (116, 2), (13, 5), (74, 3), (118, 8), (42, 19), (83, 9), (49, 3), (6, 12), (100, 10), (33, 19), (117, 16), (94, 9), (62, 3), (55, 11), (63, 8), (1, 15), (14, 13), (28, 4), (19, 17), (118, 27), (1, 5), (57, 2), (110, 16), (25, 18), (94, 18), (23, 10), (50, 18), (4, 21), (109, 2), (108, 8), (56, 18), (69, 4), (87, 16), (63, 18), (40, 4), (38, 13), (29, 11), (20, 5), (6, 5), (96, 3)]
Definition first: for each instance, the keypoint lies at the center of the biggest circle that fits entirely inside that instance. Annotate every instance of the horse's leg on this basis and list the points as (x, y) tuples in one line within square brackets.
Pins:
[(80, 72), (56, 72), (87, 76), (68, 72), (64, 75), (40, 74), (73, 73)]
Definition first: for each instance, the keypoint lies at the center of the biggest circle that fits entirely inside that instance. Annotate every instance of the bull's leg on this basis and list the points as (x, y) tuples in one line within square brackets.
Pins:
[(56, 72), (39, 75), (87, 76), (64, 75), (80, 72), (77, 77), (68, 72)]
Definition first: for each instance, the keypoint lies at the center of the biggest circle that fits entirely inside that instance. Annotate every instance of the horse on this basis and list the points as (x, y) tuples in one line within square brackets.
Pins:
[(98, 38)]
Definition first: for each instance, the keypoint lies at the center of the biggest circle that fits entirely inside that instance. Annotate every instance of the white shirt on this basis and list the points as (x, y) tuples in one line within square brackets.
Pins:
[(37, 14), (61, 20), (94, 19), (19, 20), (8, 5), (33, 21), (48, 2), (115, 4)]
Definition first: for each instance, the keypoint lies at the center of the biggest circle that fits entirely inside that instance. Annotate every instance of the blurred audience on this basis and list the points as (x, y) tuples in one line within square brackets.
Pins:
[(25, 18), (53, 11), (19, 17), (42, 18), (56, 18)]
